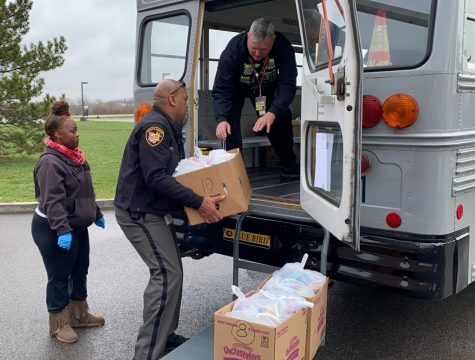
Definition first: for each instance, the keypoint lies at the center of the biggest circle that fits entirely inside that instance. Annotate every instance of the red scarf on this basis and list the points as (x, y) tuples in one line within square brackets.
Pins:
[(75, 155)]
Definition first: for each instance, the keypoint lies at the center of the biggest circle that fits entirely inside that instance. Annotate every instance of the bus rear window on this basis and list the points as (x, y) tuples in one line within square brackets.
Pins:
[(163, 56), (394, 33)]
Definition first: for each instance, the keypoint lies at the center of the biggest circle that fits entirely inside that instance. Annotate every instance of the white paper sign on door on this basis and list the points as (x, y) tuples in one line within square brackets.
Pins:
[(323, 160)]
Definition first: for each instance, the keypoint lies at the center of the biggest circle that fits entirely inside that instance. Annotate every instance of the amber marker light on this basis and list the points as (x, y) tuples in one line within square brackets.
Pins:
[(141, 110), (400, 111)]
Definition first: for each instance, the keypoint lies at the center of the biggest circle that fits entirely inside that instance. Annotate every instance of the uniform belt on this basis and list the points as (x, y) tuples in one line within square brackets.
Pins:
[(135, 215)]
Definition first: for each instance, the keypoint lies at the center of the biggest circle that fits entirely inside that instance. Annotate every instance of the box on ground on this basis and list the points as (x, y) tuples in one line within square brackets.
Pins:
[(229, 177), (316, 322), (239, 339)]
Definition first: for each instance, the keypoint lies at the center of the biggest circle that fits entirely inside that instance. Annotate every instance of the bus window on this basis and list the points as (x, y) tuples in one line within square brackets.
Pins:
[(298, 61), (326, 163), (394, 33), (315, 35), (163, 56), (218, 39)]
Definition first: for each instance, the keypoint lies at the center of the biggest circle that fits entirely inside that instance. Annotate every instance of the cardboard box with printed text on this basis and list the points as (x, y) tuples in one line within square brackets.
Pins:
[(228, 178), (316, 322), (239, 339)]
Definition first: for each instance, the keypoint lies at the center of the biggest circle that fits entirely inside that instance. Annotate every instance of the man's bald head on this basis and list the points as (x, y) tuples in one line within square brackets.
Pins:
[(170, 95), (164, 89)]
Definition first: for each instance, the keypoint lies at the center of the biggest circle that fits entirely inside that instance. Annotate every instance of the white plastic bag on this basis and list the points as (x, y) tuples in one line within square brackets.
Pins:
[(295, 272), (266, 308), (200, 161)]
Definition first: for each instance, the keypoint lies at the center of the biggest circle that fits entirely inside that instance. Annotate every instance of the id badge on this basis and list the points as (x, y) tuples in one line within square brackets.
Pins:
[(261, 105)]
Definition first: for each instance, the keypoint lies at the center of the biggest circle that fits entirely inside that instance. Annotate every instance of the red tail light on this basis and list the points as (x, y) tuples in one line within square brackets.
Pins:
[(365, 163), (393, 220), (372, 111)]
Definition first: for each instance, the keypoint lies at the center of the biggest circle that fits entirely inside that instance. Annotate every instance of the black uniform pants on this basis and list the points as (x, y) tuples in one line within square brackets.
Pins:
[(66, 269), (280, 135)]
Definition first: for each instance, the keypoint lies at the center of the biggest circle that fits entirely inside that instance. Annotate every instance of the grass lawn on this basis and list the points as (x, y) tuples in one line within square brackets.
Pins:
[(101, 141)]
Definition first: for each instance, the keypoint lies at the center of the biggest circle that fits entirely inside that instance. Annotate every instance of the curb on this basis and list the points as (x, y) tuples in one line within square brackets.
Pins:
[(29, 207)]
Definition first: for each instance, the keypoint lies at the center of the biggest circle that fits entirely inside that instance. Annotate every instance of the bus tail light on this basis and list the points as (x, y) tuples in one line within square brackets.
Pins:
[(372, 111), (459, 212), (141, 110), (400, 111), (365, 163), (393, 220)]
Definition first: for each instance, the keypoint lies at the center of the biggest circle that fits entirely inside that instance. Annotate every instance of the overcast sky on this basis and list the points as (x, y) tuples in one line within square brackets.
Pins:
[(100, 35)]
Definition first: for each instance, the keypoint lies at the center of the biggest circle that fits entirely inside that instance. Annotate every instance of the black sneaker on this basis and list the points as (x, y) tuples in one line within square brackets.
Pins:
[(290, 173), (173, 341)]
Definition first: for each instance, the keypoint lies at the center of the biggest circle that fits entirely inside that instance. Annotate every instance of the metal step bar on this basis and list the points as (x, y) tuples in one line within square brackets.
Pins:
[(254, 266)]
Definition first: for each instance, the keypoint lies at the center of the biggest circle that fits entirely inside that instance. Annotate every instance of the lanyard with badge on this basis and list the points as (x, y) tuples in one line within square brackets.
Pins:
[(260, 100)]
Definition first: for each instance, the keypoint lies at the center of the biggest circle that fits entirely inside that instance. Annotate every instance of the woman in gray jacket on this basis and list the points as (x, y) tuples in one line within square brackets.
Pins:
[(66, 207)]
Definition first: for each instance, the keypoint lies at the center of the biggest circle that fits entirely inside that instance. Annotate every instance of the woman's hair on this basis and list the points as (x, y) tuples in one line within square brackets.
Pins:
[(59, 113)]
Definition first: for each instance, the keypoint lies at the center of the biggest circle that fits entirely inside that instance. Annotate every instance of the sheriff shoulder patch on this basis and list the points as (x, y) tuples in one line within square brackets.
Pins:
[(154, 135)]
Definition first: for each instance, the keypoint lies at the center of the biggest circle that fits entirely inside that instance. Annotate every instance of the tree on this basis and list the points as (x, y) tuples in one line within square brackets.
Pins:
[(20, 65)]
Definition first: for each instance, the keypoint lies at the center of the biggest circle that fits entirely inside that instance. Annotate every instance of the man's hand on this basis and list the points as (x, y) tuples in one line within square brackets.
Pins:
[(222, 130), (209, 208), (265, 121)]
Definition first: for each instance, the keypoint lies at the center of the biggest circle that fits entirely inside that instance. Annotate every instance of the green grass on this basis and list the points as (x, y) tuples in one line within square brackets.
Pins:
[(101, 141)]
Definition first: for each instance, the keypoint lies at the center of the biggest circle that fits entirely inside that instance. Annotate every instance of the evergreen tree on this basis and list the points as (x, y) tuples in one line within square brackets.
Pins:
[(20, 65)]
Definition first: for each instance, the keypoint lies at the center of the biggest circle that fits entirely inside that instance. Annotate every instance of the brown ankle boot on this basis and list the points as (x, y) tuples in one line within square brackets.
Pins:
[(60, 327), (80, 317)]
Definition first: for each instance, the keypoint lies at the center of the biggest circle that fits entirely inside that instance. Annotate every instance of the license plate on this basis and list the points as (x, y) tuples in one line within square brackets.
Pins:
[(248, 237)]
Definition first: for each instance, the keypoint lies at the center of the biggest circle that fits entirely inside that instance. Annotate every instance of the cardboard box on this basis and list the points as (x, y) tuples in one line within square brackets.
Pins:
[(316, 322), (228, 178), (317, 318), (238, 339)]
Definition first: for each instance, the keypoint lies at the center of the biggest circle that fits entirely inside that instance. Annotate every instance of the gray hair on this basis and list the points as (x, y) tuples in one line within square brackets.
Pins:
[(261, 28)]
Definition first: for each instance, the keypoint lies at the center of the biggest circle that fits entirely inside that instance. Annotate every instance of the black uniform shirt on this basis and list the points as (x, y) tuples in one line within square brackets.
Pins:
[(235, 76), (150, 157)]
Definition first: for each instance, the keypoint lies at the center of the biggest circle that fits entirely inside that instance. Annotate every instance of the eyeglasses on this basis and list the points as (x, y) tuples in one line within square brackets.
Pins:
[(180, 84)]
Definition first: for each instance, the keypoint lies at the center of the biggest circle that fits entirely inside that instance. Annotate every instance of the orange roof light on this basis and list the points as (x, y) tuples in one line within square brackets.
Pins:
[(141, 110), (400, 111)]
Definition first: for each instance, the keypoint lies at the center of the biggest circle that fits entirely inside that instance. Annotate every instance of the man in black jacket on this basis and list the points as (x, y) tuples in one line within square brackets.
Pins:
[(259, 65), (146, 198)]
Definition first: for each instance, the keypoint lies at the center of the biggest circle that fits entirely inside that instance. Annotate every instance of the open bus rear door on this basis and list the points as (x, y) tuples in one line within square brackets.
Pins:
[(331, 116)]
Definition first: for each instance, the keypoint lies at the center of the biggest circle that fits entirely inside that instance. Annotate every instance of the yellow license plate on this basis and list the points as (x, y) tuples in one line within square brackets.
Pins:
[(248, 237)]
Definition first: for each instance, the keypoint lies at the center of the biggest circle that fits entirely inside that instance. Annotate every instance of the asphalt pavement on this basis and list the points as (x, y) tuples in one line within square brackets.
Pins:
[(363, 323)]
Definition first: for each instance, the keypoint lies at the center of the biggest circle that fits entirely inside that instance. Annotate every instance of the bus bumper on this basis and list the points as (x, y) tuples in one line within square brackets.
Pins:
[(420, 266)]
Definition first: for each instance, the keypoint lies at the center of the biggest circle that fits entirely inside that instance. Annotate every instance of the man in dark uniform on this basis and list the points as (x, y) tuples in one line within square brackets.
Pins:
[(147, 196), (259, 65)]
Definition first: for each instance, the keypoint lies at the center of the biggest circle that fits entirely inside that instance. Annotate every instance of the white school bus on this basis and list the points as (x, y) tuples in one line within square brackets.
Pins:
[(384, 126)]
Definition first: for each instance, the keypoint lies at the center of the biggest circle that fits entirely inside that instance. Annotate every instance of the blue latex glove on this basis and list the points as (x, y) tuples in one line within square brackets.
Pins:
[(101, 222), (64, 240)]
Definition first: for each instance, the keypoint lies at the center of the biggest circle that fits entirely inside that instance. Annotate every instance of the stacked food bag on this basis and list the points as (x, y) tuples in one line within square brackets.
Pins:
[(282, 295), (285, 316)]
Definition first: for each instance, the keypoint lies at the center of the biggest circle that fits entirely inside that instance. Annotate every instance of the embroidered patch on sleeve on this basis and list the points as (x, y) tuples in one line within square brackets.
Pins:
[(154, 136)]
